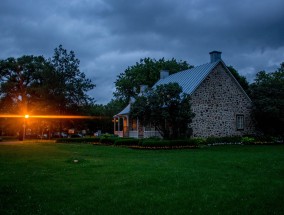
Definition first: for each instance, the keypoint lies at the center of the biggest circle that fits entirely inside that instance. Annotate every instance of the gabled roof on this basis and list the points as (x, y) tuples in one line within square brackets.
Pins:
[(126, 110), (189, 79)]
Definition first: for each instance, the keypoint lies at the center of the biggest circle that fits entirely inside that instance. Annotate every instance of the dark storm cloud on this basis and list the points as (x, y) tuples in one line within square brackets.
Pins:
[(108, 36)]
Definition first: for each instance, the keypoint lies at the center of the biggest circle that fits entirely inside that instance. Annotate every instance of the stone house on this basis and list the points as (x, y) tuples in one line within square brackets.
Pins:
[(221, 106)]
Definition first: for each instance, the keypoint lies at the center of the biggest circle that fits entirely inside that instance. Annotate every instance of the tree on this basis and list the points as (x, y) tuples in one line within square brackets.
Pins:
[(241, 79), (17, 81), (267, 93), (34, 85), (166, 108), (146, 72), (66, 86), (107, 112)]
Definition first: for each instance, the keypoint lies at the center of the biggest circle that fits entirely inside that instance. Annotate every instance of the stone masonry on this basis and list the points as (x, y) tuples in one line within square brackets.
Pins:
[(217, 102)]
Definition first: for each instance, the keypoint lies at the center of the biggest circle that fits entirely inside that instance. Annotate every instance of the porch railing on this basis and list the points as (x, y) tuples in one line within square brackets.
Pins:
[(133, 134), (151, 134), (119, 133)]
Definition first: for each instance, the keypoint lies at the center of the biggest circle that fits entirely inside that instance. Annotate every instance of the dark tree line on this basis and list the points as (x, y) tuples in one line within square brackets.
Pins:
[(34, 84), (267, 94)]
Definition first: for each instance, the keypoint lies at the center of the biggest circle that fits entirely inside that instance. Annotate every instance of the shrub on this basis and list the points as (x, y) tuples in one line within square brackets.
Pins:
[(263, 140), (78, 140), (223, 140), (247, 140), (155, 143), (184, 142), (153, 138), (126, 142), (64, 140), (167, 143), (108, 140), (197, 141)]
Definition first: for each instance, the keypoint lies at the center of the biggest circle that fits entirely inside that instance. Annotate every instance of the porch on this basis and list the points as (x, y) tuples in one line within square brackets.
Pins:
[(126, 127)]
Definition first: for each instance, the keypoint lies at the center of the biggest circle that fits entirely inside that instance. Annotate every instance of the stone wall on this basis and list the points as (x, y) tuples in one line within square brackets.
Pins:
[(216, 102)]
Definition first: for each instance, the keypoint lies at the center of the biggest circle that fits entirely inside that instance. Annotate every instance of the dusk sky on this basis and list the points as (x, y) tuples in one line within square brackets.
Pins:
[(108, 36)]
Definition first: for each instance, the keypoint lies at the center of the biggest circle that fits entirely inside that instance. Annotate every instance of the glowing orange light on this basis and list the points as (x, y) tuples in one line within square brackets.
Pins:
[(52, 116)]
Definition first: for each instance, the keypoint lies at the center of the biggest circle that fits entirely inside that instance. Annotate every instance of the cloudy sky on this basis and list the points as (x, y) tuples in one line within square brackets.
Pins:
[(110, 35)]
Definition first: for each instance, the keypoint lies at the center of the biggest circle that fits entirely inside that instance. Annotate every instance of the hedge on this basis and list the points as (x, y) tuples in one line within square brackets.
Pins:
[(223, 140), (168, 143), (155, 143), (78, 140), (127, 142), (108, 140)]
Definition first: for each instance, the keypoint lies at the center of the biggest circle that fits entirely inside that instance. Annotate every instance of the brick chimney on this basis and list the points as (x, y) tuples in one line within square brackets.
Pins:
[(215, 56), (164, 74)]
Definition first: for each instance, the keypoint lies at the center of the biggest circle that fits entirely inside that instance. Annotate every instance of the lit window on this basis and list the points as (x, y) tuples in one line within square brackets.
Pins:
[(240, 122)]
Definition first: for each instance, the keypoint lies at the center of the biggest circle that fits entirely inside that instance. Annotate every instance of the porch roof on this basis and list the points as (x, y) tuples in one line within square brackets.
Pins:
[(125, 111)]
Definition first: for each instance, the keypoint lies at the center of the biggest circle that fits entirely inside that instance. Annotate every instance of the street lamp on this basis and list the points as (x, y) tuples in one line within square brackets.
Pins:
[(24, 133)]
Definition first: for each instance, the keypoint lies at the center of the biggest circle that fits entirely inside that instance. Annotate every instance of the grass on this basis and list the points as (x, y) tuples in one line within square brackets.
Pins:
[(42, 178)]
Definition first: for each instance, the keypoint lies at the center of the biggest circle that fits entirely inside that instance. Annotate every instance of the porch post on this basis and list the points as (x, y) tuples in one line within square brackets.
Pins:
[(114, 127), (140, 130), (126, 129), (118, 124)]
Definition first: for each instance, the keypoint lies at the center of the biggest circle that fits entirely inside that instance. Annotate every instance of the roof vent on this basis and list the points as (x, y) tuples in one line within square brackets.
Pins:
[(164, 74), (215, 56)]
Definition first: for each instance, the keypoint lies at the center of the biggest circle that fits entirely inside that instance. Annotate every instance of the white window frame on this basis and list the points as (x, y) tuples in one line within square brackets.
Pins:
[(240, 122)]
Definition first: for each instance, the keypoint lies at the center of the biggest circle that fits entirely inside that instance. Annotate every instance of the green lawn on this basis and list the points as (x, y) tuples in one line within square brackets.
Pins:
[(42, 178)]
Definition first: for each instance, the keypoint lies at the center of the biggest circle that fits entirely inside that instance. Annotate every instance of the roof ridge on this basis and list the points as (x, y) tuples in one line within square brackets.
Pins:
[(194, 68)]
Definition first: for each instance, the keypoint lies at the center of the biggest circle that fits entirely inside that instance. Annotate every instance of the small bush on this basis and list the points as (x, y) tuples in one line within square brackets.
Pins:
[(247, 140), (197, 141)]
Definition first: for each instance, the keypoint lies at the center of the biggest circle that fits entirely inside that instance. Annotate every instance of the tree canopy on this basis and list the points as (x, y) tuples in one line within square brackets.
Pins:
[(68, 85), (165, 108), (34, 84), (241, 79), (18, 80), (146, 72), (267, 93)]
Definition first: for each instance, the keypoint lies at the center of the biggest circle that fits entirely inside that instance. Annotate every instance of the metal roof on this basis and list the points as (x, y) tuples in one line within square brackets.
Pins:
[(189, 79), (126, 110)]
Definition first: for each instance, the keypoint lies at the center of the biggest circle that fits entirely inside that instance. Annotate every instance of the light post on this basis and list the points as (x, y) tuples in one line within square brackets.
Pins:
[(24, 133)]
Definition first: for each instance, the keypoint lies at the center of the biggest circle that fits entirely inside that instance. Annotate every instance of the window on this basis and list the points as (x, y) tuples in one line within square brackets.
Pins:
[(240, 122)]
